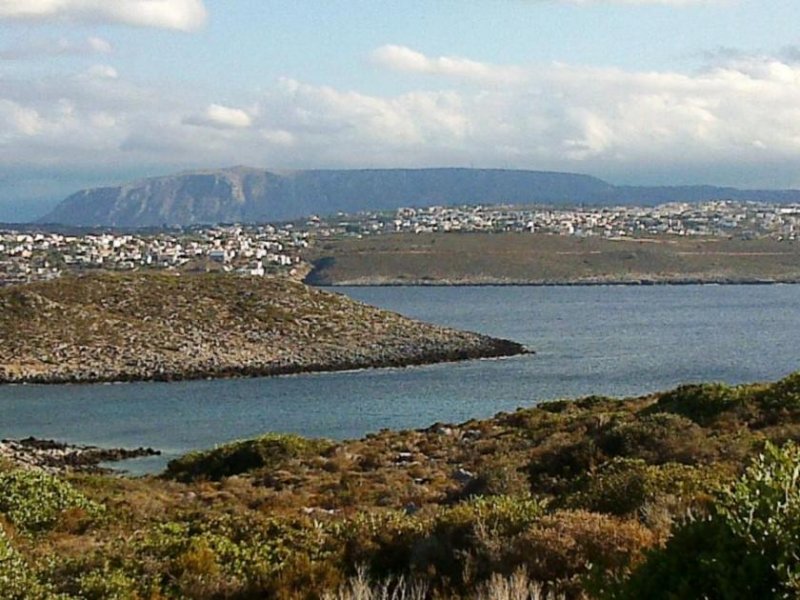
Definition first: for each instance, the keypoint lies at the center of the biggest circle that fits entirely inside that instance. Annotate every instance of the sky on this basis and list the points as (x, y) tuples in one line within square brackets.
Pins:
[(660, 92)]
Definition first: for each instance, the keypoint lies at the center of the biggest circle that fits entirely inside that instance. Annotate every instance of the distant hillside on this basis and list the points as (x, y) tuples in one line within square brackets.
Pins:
[(242, 194), (163, 327)]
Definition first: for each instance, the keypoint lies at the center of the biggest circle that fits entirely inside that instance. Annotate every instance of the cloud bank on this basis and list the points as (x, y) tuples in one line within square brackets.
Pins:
[(183, 15), (738, 115)]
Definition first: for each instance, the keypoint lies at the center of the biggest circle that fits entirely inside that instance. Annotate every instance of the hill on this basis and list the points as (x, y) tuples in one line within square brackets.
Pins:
[(520, 258), (588, 498), (247, 195), (162, 326)]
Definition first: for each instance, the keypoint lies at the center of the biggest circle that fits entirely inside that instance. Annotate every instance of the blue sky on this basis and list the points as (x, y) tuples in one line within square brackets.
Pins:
[(94, 92)]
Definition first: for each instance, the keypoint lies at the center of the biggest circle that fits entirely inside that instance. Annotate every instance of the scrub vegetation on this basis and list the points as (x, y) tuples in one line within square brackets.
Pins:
[(690, 493)]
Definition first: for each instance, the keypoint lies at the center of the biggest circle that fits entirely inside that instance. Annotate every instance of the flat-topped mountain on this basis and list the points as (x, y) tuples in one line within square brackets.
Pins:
[(247, 195), (159, 326)]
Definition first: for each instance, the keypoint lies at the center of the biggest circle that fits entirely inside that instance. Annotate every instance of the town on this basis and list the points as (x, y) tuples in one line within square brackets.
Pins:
[(277, 249), (27, 256), (716, 218)]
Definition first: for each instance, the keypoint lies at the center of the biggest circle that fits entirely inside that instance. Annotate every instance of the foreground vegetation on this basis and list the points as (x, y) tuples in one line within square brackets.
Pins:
[(524, 258), (689, 493)]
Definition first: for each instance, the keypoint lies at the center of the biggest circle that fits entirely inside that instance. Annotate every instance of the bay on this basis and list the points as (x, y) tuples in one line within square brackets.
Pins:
[(610, 340)]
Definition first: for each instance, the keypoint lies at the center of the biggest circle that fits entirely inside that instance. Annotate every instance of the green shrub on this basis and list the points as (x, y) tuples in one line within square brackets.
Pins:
[(702, 403), (34, 500), (267, 451), (17, 581), (384, 541), (554, 470), (701, 560), (763, 509), (108, 584), (658, 438), (624, 486), (781, 395), (747, 548)]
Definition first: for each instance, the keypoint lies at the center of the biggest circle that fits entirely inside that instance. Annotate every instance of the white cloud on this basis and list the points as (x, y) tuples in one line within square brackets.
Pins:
[(33, 49), (100, 45), (401, 58), (221, 117), (102, 71), (18, 120), (183, 15)]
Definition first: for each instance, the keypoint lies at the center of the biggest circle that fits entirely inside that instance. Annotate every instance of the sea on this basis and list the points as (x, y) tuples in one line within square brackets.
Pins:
[(605, 340)]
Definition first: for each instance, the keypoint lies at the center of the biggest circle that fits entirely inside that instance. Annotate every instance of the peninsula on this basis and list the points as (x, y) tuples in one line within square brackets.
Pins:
[(158, 326), (543, 259)]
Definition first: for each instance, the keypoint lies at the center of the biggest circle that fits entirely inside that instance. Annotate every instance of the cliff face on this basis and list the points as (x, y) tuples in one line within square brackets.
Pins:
[(141, 327)]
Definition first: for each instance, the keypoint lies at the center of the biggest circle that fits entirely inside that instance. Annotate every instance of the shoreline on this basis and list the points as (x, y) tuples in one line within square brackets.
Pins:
[(555, 283), (57, 457), (495, 349)]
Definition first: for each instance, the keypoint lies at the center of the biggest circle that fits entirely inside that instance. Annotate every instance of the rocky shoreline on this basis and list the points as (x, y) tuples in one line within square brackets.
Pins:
[(114, 328), (483, 347), (489, 282), (53, 456)]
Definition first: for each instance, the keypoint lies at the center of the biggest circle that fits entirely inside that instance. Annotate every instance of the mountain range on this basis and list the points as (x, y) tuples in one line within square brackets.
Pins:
[(248, 195)]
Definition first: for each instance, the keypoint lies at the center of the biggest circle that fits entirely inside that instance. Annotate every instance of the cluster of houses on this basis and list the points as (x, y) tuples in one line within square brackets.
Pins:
[(257, 250), (717, 218), (261, 250)]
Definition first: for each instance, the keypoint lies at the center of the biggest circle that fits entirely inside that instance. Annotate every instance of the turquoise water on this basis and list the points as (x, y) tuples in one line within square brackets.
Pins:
[(614, 340)]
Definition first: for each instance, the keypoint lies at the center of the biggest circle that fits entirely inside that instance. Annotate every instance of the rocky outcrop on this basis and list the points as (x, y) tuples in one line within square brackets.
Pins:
[(53, 456), (168, 327)]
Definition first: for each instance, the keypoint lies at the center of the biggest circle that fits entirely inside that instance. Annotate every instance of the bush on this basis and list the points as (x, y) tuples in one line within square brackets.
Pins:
[(701, 403), (554, 470), (625, 486), (268, 451), (571, 547), (781, 395), (17, 581), (657, 439), (747, 548), (107, 584), (701, 560), (618, 488), (34, 500)]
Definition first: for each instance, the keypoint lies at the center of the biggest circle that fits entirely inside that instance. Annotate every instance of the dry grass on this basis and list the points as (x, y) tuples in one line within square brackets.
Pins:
[(360, 587), (518, 586)]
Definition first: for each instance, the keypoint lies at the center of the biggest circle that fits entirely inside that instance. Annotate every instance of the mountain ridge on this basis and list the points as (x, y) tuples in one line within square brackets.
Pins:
[(248, 194)]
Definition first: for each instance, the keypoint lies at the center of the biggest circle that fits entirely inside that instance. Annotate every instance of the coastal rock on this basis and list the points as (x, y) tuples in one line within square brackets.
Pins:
[(53, 456)]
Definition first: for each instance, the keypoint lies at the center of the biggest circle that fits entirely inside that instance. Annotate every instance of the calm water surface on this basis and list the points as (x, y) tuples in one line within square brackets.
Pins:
[(610, 340)]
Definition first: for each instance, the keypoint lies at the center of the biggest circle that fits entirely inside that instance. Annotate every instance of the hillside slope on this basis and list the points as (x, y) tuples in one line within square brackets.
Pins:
[(158, 326)]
